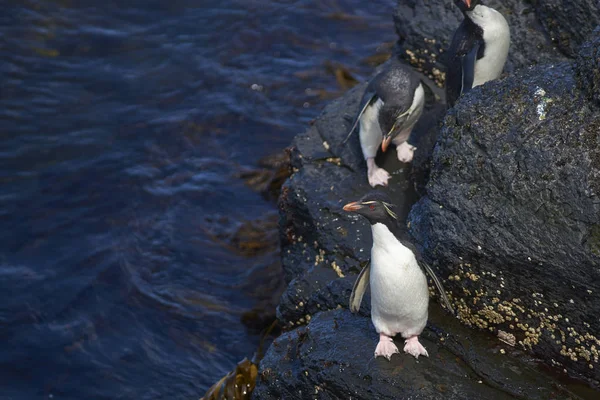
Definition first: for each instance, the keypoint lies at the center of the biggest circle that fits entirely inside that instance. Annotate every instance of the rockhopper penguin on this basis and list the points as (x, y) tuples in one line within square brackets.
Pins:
[(390, 107), (478, 50), (399, 292)]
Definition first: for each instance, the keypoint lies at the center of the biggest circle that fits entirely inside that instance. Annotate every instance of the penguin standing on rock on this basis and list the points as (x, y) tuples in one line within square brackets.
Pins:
[(478, 50), (389, 109), (399, 292)]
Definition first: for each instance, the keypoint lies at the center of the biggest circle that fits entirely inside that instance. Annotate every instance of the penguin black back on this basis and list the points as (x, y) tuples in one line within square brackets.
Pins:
[(460, 59), (460, 72), (395, 85), (478, 50)]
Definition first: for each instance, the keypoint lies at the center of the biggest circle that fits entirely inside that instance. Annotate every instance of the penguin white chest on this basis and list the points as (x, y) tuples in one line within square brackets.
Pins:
[(399, 293), (496, 35)]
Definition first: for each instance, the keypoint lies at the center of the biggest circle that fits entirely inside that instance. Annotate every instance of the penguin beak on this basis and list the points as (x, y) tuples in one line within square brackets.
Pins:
[(386, 142), (354, 206), (467, 3), (388, 138)]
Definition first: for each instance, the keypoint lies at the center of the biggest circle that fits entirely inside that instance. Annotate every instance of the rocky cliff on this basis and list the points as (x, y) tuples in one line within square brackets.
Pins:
[(510, 222)]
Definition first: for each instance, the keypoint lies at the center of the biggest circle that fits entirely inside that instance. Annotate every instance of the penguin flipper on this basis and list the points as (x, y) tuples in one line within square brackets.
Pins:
[(468, 69), (439, 286), (368, 98), (360, 287)]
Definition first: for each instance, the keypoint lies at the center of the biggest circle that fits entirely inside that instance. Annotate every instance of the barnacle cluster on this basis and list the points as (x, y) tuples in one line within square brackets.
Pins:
[(523, 321)]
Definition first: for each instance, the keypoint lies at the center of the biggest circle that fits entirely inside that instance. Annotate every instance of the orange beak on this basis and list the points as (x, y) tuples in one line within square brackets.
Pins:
[(386, 142), (354, 206), (468, 3)]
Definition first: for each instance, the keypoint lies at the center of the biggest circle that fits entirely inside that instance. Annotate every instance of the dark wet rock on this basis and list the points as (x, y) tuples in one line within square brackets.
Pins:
[(588, 66), (512, 214), (332, 358), (515, 173), (422, 43), (568, 23)]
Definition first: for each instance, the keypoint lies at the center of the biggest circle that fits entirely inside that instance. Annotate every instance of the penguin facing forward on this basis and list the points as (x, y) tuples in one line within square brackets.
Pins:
[(478, 50), (399, 292), (389, 109)]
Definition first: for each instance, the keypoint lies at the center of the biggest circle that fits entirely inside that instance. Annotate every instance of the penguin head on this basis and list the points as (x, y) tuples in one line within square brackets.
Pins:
[(389, 123), (375, 206), (466, 5), (392, 124)]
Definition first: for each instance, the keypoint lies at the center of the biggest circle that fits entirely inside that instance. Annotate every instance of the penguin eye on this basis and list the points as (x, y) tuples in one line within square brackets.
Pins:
[(372, 207)]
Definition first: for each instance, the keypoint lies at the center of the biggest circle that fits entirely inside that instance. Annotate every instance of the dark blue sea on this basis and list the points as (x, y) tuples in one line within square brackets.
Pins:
[(127, 129)]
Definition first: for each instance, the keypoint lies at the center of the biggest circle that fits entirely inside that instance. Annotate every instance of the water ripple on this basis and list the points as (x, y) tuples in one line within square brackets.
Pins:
[(123, 270)]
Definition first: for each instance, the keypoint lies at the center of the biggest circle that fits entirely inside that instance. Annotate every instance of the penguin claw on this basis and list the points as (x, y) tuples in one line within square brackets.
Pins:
[(414, 348), (378, 176), (386, 348), (405, 152)]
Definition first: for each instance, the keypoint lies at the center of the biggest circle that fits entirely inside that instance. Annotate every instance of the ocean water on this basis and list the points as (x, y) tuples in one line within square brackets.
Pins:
[(126, 128)]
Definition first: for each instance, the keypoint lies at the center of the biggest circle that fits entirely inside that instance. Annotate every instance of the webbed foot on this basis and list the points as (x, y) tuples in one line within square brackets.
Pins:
[(376, 175), (414, 348), (406, 152), (386, 347)]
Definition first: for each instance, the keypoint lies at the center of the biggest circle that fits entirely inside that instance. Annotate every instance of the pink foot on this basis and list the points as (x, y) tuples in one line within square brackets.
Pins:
[(386, 347), (414, 348), (405, 152), (376, 175)]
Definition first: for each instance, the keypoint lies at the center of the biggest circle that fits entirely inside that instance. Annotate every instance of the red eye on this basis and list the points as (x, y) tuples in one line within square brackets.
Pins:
[(372, 207)]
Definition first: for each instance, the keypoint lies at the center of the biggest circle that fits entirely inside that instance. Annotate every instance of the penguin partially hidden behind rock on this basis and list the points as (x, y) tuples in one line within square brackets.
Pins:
[(390, 107), (399, 292), (478, 50)]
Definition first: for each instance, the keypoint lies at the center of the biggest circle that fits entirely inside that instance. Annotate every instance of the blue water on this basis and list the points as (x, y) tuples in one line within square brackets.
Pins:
[(123, 129)]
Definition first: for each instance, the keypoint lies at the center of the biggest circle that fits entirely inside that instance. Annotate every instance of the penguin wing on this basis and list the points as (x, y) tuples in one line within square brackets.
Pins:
[(466, 47), (368, 98), (468, 69), (438, 284), (360, 287)]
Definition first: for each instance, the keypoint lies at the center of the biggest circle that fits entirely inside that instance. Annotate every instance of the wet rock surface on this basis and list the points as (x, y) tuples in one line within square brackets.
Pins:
[(512, 215), (332, 358), (510, 225), (588, 66), (568, 23), (324, 248), (423, 43)]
